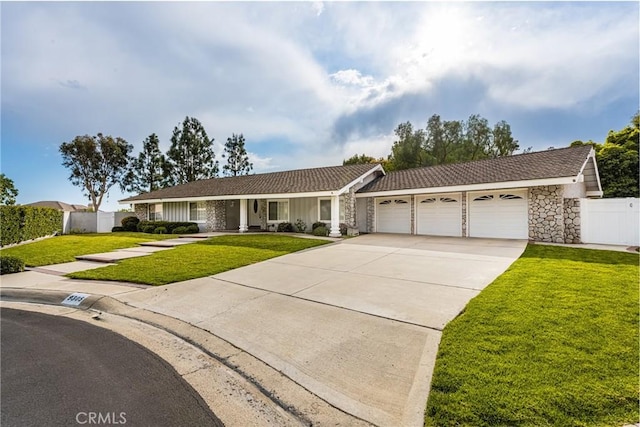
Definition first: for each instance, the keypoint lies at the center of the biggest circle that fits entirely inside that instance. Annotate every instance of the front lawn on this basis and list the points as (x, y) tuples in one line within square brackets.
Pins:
[(201, 259), (551, 342), (59, 249)]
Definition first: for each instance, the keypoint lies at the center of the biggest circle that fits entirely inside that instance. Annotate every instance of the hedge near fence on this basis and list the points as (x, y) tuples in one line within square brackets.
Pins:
[(20, 223)]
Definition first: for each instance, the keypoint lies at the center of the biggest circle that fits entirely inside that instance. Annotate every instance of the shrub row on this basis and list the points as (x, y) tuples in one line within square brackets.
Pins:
[(20, 223), (169, 227), (11, 264)]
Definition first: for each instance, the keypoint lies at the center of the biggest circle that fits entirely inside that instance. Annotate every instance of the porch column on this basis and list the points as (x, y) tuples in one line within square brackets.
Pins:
[(243, 215), (335, 217)]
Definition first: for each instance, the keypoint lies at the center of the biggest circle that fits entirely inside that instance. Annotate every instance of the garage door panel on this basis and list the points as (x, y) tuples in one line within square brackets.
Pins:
[(501, 214), (439, 215), (393, 215)]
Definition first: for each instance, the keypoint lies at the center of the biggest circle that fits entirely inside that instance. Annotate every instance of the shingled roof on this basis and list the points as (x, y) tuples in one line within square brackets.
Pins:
[(556, 163), (330, 178)]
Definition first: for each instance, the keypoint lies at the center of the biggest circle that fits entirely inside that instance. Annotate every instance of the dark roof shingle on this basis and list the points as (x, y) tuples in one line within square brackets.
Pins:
[(557, 163), (329, 178)]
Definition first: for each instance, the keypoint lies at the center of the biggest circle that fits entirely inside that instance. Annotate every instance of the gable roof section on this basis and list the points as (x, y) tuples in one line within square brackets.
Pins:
[(54, 204), (325, 179), (542, 165)]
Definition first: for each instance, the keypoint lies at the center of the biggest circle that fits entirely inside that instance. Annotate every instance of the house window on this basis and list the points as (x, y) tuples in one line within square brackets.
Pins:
[(278, 210), (324, 209), (155, 212), (197, 211)]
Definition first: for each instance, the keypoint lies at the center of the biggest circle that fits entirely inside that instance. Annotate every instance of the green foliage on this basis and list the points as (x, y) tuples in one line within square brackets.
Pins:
[(191, 157), (286, 227), (150, 170), (361, 159), (96, 163), (617, 161), (160, 230), (320, 231), (179, 230), (193, 229), (8, 191), (65, 248), (20, 223), (539, 347), (130, 223), (170, 226), (301, 226), (237, 158), (9, 264), (443, 142), (148, 229), (117, 229), (318, 224), (343, 228)]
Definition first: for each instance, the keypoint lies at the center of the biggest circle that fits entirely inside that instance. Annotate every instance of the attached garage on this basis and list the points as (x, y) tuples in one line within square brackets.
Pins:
[(439, 214), (501, 214), (393, 215)]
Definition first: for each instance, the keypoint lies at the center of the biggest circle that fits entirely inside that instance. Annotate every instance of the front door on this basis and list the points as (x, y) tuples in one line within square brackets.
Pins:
[(254, 213)]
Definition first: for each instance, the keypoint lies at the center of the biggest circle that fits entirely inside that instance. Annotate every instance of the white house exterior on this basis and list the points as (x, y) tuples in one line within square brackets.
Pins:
[(532, 196)]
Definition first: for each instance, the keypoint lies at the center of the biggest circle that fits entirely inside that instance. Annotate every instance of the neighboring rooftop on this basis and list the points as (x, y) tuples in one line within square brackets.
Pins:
[(61, 206), (329, 178), (556, 163)]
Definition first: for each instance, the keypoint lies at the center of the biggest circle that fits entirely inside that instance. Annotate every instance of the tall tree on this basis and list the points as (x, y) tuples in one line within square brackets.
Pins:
[(408, 150), (8, 191), (191, 155), (237, 158), (96, 163), (359, 159), (502, 141), (477, 138), (149, 171)]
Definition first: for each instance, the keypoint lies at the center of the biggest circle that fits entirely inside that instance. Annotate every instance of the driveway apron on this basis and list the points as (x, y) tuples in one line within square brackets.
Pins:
[(358, 322)]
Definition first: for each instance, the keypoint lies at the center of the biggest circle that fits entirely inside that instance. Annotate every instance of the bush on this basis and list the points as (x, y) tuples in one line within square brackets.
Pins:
[(130, 223), (193, 229), (320, 231), (318, 224), (116, 229), (10, 264), (170, 226), (20, 223), (179, 230), (285, 227), (343, 228), (160, 230), (301, 226), (148, 229)]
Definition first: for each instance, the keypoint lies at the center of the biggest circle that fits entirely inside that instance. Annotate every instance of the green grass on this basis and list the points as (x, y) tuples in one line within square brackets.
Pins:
[(59, 249), (200, 259), (551, 342)]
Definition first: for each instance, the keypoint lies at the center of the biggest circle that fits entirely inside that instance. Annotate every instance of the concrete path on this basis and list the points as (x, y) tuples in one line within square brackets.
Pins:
[(357, 323)]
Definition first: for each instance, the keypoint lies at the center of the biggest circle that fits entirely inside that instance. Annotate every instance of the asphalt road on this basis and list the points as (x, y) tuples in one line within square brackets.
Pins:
[(62, 372)]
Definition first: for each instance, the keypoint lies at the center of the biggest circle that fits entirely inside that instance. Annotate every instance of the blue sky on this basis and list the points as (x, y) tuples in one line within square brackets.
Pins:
[(308, 83)]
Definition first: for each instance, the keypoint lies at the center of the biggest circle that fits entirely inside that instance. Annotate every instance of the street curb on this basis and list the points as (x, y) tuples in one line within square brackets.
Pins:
[(290, 397)]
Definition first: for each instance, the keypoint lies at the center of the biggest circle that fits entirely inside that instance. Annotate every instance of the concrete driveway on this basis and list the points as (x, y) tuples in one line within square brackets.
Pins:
[(357, 323)]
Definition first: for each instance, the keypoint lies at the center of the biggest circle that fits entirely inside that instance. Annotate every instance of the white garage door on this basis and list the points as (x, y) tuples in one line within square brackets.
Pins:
[(500, 214), (393, 215), (439, 214)]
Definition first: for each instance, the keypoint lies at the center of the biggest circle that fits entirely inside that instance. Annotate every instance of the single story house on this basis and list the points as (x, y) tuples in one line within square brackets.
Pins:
[(532, 196), (60, 206)]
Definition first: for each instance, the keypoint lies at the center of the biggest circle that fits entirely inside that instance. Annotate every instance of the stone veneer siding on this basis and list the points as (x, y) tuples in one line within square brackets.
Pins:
[(371, 214), (546, 214), (412, 201), (463, 195), (263, 213), (141, 211), (216, 215), (572, 221), (350, 208)]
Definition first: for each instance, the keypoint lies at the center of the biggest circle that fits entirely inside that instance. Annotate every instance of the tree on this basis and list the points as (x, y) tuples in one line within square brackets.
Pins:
[(237, 158), (502, 142), (191, 155), (361, 159), (477, 138), (149, 171), (408, 151), (8, 191), (96, 164)]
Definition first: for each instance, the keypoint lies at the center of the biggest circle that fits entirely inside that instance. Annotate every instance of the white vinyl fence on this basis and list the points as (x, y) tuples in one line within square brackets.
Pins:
[(610, 221), (92, 222)]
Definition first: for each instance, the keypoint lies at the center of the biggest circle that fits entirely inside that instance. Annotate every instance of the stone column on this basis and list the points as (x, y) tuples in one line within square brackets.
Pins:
[(243, 215), (546, 216), (572, 231), (216, 215), (263, 213), (142, 211), (371, 215), (464, 213), (335, 217)]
